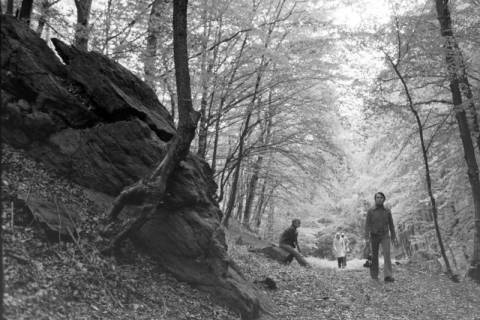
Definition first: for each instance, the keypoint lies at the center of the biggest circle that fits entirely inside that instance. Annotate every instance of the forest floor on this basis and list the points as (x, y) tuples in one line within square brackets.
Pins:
[(325, 292), (45, 280)]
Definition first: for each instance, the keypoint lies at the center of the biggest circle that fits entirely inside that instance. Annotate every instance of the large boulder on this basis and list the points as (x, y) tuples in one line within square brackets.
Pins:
[(93, 121)]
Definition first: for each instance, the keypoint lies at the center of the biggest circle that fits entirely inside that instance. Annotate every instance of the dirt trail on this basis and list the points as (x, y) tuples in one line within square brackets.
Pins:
[(324, 292)]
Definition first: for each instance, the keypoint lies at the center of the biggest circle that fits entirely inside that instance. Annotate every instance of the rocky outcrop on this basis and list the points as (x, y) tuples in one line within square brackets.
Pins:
[(92, 120)]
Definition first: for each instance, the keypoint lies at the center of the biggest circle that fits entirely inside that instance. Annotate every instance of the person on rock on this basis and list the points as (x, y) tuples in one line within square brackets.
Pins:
[(339, 249), (289, 241), (379, 230)]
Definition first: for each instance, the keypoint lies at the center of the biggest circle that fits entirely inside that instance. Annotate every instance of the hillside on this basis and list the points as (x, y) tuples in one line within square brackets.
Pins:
[(74, 281)]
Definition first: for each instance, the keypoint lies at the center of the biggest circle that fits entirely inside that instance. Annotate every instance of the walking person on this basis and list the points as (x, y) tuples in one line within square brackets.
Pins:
[(379, 230), (289, 241), (339, 249)]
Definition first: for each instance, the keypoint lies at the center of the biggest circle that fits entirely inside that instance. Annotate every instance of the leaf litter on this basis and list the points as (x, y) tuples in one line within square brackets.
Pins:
[(45, 280)]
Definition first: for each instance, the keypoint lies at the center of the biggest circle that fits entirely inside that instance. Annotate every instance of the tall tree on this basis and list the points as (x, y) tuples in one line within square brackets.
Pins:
[(153, 31), (452, 58), (82, 29), (424, 149), (154, 186)]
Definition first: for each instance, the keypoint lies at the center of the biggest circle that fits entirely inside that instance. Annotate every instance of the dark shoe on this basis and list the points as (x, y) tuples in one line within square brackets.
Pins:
[(389, 279)]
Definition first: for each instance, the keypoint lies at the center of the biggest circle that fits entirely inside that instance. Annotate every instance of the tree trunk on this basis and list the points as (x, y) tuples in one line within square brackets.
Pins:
[(153, 188), (82, 29), (241, 198), (9, 7), (26, 11), (236, 176), (44, 6), (451, 58), (428, 178), (257, 220), (44, 15), (153, 29), (205, 79), (108, 24), (2, 286), (251, 191)]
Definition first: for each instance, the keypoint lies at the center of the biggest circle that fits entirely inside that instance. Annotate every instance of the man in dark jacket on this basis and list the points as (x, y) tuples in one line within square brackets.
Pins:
[(377, 227), (289, 241)]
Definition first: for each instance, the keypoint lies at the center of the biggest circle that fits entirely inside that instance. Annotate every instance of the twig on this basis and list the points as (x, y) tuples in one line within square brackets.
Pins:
[(21, 259)]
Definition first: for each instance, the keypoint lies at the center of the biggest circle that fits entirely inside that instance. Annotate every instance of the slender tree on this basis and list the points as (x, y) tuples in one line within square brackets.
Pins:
[(423, 145), (82, 29), (452, 58), (152, 189), (153, 30), (9, 7)]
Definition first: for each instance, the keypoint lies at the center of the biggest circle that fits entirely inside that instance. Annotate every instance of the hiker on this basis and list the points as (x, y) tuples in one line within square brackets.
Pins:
[(338, 249), (289, 241), (346, 249), (378, 225)]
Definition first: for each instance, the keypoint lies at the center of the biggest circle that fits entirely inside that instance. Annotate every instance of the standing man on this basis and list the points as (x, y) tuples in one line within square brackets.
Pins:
[(289, 241), (377, 228)]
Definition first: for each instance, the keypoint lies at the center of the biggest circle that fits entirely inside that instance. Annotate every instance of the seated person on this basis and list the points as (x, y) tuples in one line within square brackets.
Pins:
[(288, 242)]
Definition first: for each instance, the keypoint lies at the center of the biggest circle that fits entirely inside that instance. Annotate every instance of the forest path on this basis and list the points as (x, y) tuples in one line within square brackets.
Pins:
[(324, 292)]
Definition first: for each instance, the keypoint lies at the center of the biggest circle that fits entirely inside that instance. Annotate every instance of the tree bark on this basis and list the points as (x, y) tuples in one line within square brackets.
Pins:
[(251, 191), (205, 70), (257, 220), (26, 11), (82, 29), (2, 278), (444, 18), (153, 30), (108, 24), (9, 7), (44, 6)]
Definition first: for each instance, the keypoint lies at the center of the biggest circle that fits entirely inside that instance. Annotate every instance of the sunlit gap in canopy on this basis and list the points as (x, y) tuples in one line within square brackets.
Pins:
[(362, 13)]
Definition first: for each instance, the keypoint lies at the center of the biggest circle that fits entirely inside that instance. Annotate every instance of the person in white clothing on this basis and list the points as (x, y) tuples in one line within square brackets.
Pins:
[(339, 249)]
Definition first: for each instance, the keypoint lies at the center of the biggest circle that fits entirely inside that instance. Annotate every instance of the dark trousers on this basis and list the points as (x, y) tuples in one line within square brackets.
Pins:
[(293, 254), (342, 262), (384, 241)]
